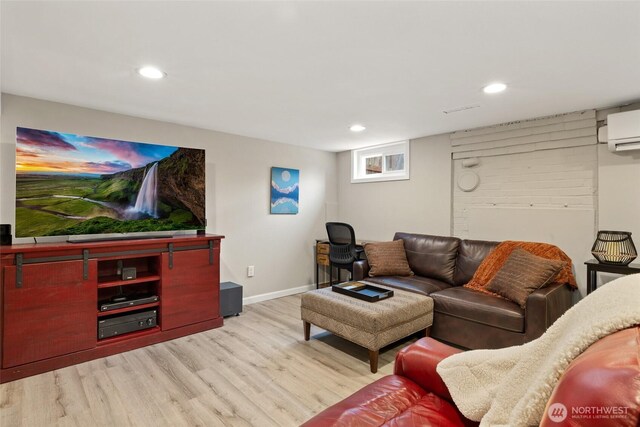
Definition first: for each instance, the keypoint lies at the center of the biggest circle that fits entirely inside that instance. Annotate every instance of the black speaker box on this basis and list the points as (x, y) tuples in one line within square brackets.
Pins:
[(230, 299), (5, 234)]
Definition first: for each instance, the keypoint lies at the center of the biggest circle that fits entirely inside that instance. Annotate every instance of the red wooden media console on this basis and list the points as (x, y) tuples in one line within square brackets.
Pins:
[(52, 294)]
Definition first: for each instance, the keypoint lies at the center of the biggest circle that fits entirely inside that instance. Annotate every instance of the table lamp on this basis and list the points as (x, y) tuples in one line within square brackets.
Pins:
[(614, 247)]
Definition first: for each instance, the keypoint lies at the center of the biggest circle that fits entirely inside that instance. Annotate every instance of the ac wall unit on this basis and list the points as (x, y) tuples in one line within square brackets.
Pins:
[(624, 131)]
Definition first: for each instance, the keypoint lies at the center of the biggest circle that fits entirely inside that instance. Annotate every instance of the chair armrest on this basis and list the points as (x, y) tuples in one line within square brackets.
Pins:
[(418, 363), (543, 307), (358, 252), (360, 270)]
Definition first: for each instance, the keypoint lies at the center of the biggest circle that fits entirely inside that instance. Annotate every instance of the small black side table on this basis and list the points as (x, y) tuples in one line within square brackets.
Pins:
[(593, 266)]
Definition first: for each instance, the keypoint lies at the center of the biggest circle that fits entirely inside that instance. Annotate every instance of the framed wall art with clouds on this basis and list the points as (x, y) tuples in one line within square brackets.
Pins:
[(285, 190)]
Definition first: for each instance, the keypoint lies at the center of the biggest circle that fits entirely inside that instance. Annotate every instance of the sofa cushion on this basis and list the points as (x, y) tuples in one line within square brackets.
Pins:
[(472, 335), (387, 259), (431, 256), (391, 400), (522, 274), (470, 256), (480, 308), (418, 284)]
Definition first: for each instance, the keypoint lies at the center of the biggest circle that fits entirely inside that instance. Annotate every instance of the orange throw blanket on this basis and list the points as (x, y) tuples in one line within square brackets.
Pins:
[(496, 259)]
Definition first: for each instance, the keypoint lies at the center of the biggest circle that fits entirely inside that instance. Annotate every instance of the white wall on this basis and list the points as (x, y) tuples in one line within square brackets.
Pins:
[(238, 182), (619, 188), (421, 205), (619, 184)]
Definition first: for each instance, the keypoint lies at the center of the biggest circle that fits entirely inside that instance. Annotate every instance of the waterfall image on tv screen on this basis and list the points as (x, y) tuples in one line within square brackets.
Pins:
[(69, 184)]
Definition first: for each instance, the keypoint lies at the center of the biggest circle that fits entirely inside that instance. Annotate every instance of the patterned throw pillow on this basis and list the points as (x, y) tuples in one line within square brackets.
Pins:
[(523, 273), (387, 259), (496, 259)]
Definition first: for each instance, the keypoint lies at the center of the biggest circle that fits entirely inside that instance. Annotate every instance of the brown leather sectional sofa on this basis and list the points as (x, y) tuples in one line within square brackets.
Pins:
[(462, 316)]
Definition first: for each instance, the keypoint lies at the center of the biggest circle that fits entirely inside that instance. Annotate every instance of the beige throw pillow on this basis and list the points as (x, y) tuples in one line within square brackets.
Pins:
[(387, 259), (523, 273)]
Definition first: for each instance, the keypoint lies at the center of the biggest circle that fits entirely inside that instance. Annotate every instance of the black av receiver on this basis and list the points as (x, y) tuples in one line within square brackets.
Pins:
[(119, 325)]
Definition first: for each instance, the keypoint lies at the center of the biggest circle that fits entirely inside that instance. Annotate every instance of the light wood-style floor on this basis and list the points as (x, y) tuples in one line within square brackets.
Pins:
[(256, 370)]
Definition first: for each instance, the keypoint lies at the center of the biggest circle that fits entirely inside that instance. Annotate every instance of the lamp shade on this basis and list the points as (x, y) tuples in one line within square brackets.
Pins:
[(614, 247)]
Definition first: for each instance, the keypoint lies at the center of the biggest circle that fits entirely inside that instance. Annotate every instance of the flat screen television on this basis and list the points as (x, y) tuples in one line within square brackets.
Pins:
[(69, 185)]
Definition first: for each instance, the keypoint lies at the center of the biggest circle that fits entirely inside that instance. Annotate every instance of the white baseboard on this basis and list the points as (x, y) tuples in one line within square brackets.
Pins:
[(277, 294)]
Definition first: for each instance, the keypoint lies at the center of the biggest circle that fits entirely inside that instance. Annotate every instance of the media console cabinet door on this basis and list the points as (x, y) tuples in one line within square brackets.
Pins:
[(191, 289), (53, 313)]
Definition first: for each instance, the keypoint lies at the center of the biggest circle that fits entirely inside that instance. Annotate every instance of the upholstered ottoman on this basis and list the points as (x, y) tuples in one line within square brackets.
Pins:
[(372, 325)]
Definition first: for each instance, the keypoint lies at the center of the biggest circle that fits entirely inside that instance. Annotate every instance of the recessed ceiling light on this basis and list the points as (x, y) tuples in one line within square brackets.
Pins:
[(357, 128), (151, 72), (494, 88)]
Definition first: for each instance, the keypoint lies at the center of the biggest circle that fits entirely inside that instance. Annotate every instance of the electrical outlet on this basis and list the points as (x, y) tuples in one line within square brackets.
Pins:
[(251, 270)]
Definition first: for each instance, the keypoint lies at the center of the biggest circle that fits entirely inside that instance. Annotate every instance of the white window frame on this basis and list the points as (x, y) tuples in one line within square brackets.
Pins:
[(359, 156)]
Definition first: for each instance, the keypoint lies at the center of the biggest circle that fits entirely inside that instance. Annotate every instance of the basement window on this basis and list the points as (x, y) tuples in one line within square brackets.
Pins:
[(387, 162)]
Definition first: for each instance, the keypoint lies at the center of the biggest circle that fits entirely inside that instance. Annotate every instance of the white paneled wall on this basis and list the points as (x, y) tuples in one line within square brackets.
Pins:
[(549, 162), (559, 178), (532, 174), (545, 133)]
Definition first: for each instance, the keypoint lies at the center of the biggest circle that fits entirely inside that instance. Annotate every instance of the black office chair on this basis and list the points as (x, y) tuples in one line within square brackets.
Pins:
[(343, 251)]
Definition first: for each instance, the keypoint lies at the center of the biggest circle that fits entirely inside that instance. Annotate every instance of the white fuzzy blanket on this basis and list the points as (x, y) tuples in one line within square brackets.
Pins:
[(511, 386)]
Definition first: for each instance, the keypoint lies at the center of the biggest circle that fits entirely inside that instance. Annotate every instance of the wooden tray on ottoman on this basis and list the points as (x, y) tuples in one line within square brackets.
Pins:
[(362, 291)]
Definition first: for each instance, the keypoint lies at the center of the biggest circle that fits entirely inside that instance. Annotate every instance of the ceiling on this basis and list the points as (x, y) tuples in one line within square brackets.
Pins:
[(302, 72)]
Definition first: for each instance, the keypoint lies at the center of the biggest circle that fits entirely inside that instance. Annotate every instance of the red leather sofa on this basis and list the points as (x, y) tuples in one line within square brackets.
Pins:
[(600, 388)]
